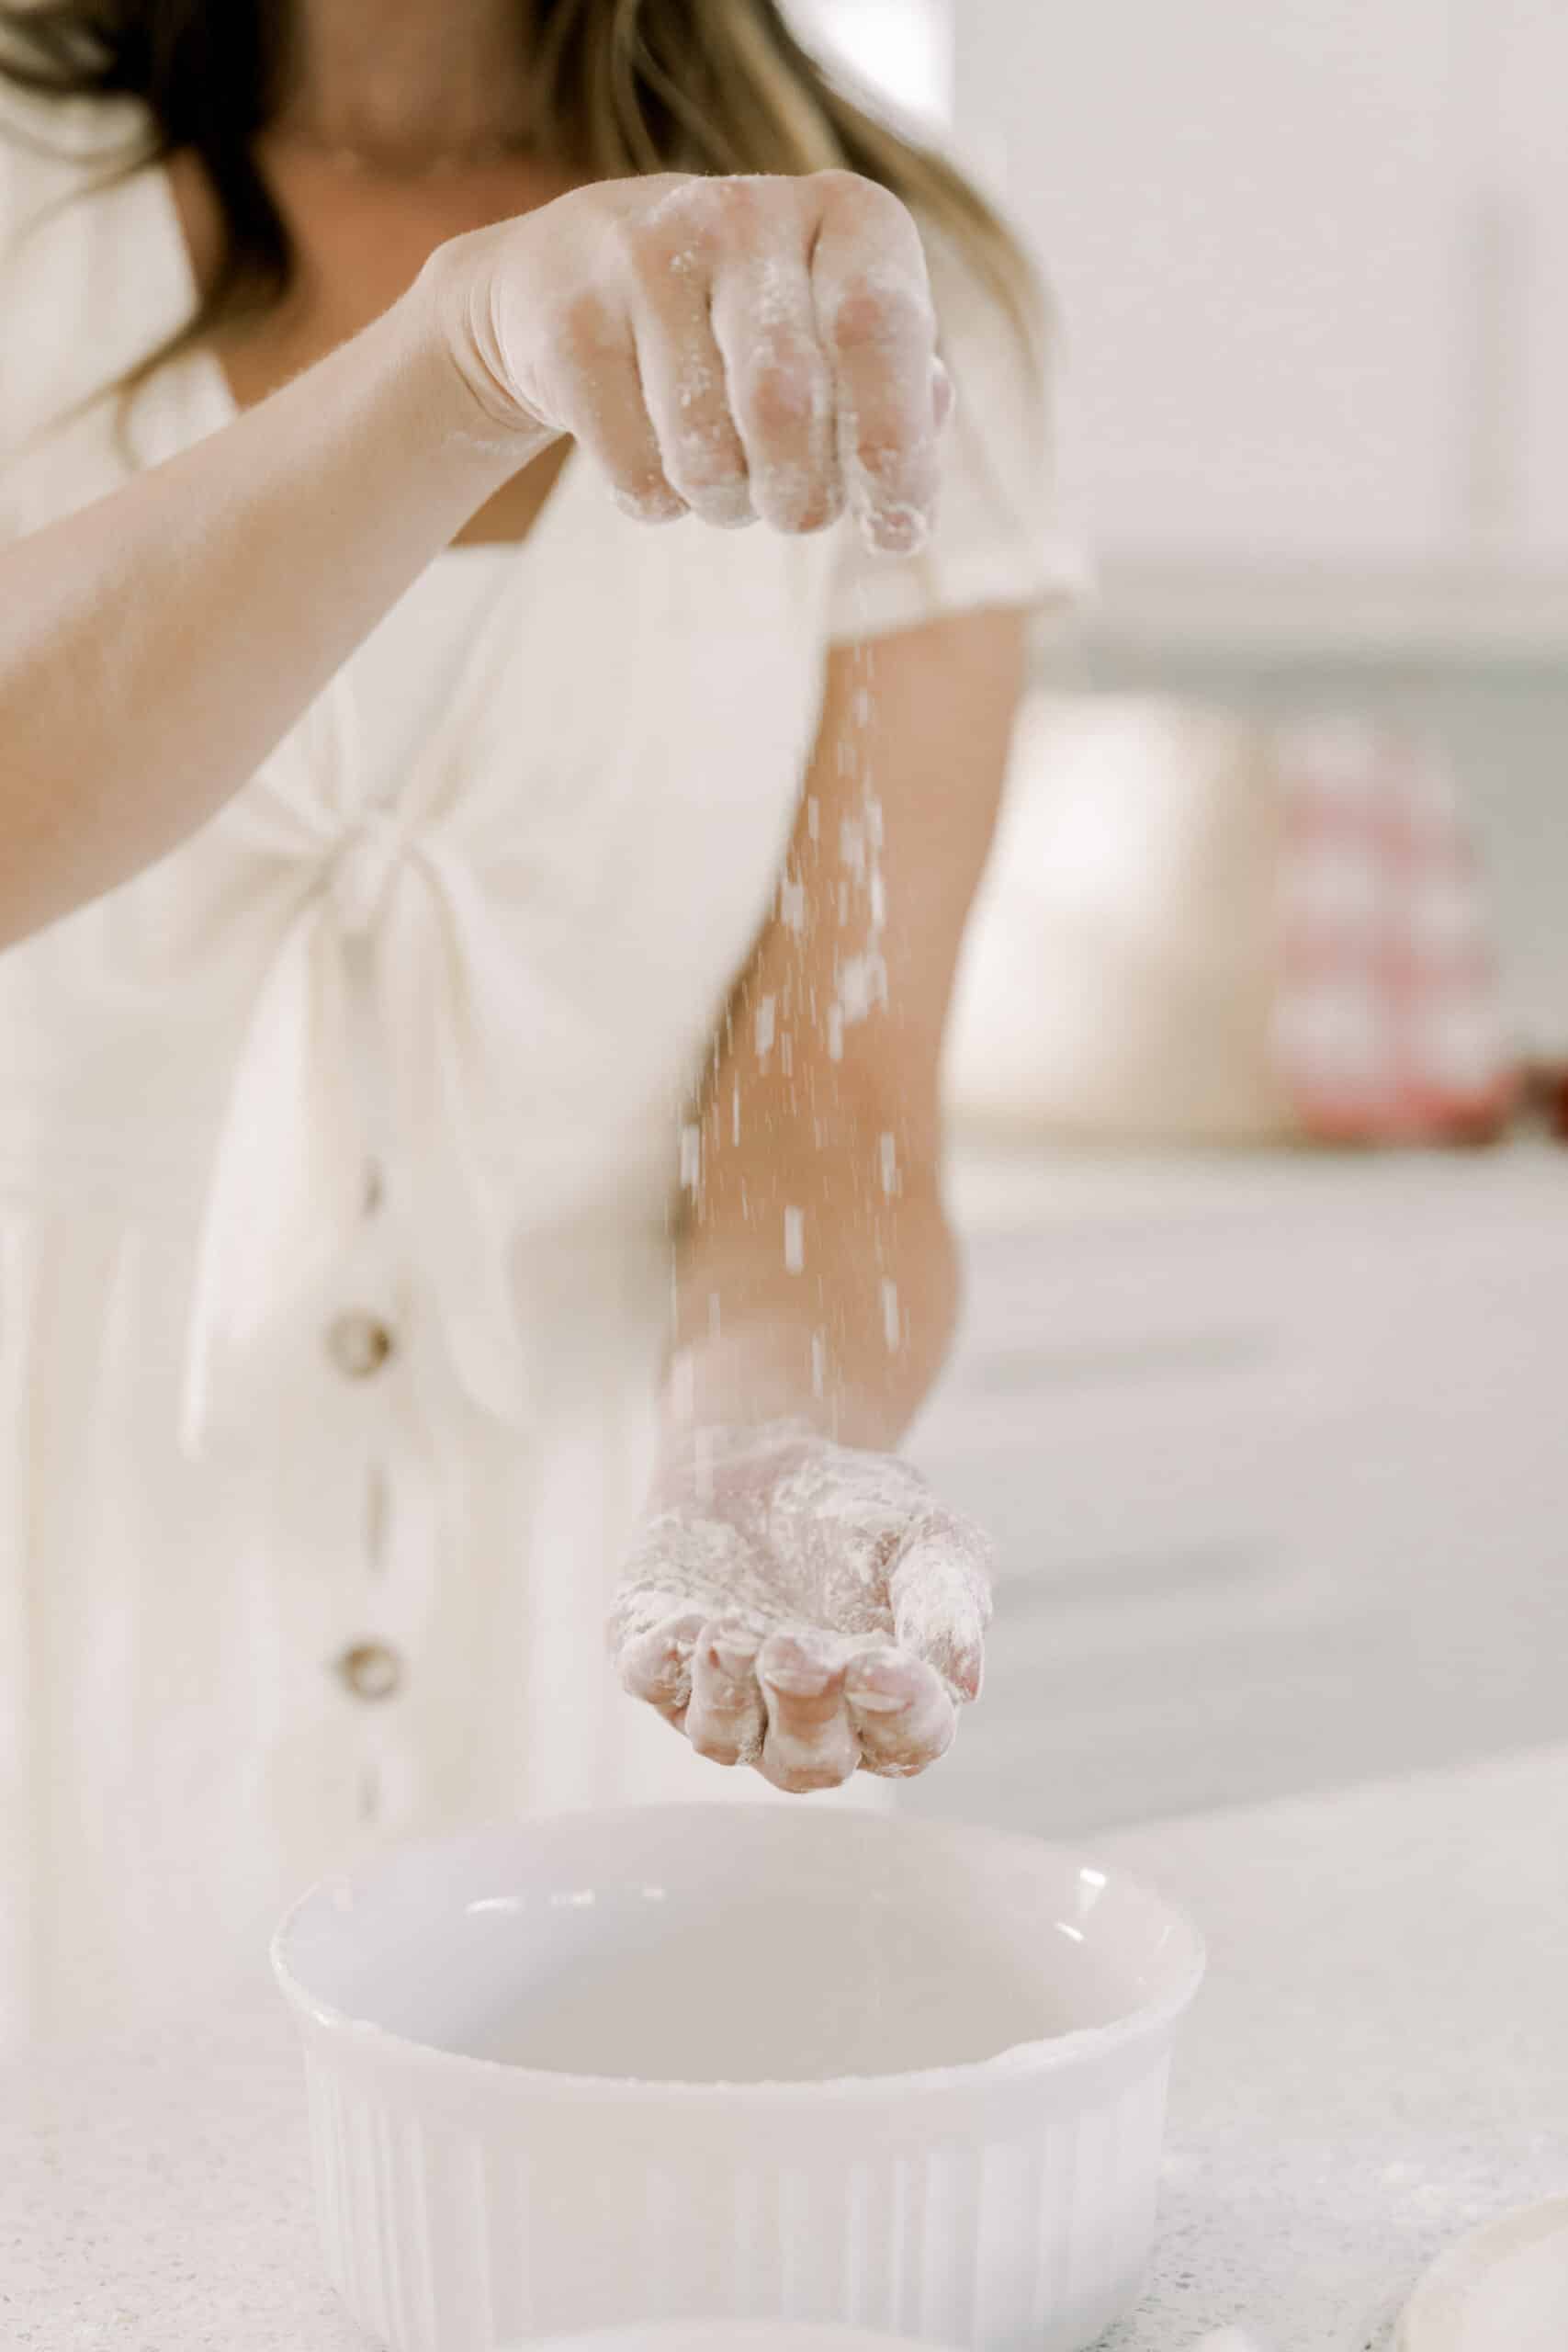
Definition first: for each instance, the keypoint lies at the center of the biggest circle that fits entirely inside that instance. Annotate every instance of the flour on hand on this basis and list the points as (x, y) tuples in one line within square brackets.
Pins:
[(779, 1566)]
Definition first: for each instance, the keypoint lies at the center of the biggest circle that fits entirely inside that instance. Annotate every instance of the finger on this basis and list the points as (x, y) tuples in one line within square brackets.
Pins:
[(656, 1666), (940, 1587), (781, 386), (724, 1721), (808, 1743), (878, 322), (673, 251), (900, 1711), (595, 386)]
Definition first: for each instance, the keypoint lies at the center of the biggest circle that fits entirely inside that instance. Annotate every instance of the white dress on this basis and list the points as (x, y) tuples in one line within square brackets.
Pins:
[(336, 1155)]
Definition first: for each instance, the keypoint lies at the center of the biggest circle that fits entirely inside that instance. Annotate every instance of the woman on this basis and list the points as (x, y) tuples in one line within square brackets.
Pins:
[(431, 892)]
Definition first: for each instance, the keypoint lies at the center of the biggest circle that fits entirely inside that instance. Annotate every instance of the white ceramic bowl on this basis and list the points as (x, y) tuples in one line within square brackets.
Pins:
[(737, 2062)]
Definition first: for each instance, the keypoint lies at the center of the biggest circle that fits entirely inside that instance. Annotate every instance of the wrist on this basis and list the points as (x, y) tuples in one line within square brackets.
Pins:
[(692, 1456), (450, 317), (774, 1372)]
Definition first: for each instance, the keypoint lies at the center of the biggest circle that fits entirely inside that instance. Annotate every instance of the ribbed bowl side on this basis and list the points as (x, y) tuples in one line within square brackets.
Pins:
[(441, 2238)]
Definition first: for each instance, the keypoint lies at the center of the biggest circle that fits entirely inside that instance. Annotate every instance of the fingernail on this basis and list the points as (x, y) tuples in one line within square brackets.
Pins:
[(735, 1656), (880, 1685), (873, 1702), (899, 530)]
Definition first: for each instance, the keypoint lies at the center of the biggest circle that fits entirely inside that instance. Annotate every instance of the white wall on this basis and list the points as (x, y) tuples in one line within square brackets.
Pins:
[(904, 48), (1313, 260)]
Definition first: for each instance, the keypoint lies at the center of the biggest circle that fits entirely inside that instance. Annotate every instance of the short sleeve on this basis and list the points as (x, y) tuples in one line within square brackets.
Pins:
[(999, 538)]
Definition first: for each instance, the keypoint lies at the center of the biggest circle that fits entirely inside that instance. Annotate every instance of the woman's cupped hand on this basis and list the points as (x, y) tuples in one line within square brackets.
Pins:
[(806, 1608)]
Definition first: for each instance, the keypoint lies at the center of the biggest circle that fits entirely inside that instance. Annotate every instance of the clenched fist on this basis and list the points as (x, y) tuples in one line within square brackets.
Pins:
[(740, 349)]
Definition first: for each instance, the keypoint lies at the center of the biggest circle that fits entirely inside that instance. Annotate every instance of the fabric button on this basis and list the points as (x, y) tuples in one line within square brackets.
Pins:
[(358, 1344), (371, 1670)]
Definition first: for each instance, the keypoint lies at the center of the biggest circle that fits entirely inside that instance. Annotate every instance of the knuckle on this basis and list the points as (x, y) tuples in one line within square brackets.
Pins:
[(695, 214), (872, 206), (839, 184), (875, 310), (777, 403), (648, 245), (581, 332), (780, 385), (884, 460), (729, 202), (644, 226)]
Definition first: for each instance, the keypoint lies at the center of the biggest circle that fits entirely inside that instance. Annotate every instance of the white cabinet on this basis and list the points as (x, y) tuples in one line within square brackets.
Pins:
[(1272, 1452), (1530, 173), (1313, 262)]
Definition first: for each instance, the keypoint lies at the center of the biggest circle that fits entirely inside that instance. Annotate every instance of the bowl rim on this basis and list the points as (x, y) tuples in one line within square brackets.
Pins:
[(1019, 2062), (746, 2335)]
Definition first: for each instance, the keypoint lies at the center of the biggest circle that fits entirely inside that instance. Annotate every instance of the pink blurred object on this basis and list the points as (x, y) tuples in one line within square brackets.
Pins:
[(1388, 1022)]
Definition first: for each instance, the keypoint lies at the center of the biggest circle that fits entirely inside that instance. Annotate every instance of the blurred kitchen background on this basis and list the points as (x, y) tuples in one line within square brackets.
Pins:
[(1257, 1071)]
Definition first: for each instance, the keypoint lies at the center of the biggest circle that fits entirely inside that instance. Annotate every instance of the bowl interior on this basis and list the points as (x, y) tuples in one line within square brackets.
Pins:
[(734, 1944)]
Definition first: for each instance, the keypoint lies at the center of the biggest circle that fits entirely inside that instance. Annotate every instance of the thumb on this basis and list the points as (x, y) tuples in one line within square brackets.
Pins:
[(940, 1588)]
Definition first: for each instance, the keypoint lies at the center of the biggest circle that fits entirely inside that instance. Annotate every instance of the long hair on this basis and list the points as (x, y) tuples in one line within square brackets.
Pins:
[(618, 89)]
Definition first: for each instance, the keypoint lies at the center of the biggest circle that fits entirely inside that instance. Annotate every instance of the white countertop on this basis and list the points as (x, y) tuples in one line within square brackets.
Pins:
[(1380, 2060), (1034, 1187)]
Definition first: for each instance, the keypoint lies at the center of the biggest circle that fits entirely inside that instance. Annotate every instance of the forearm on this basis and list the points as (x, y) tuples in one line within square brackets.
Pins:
[(156, 646), (818, 1276), (828, 1299)]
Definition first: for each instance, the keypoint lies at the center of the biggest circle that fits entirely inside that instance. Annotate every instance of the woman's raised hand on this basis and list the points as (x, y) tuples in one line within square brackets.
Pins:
[(753, 349)]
